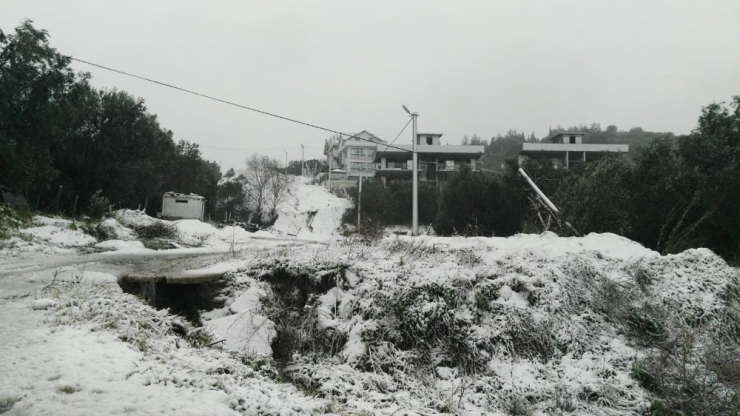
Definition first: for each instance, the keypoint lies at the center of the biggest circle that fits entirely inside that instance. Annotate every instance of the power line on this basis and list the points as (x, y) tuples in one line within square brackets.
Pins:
[(248, 148), (399, 134), (225, 101)]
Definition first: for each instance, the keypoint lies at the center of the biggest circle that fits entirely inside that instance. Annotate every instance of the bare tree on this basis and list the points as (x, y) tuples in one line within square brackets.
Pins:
[(264, 185), (277, 191)]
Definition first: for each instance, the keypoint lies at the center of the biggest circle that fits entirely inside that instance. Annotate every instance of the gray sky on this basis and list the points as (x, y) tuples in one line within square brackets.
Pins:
[(467, 67)]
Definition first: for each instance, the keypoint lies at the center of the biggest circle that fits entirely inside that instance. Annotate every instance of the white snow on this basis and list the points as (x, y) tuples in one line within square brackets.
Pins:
[(120, 245), (133, 218), (60, 236), (122, 232), (78, 371), (248, 301), (42, 304), (245, 332), (309, 212)]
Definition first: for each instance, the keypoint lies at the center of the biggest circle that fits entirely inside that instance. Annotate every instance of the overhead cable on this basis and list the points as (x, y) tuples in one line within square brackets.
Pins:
[(225, 101)]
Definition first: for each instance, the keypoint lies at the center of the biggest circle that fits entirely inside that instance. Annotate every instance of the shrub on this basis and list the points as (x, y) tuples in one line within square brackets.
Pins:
[(156, 244), (11, 220), (98, 230), (370, 231), (157, 229), (98, 205), (598, 199), (474, 203), (391, 204)]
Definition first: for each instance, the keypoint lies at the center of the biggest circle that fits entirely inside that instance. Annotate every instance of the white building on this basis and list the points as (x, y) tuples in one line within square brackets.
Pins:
[(567, 148), (350, 157), (179, 206), (436, 161)]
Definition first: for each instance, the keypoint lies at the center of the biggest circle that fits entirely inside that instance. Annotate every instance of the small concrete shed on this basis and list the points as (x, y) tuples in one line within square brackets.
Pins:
[(178, 206)]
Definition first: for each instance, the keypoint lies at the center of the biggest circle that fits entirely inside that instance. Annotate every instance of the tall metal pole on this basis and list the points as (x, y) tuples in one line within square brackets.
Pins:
[(415, 178), (328, 157), (359, 201)]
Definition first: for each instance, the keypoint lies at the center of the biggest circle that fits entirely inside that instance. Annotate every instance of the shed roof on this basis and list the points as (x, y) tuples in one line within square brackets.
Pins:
[(179, 195)]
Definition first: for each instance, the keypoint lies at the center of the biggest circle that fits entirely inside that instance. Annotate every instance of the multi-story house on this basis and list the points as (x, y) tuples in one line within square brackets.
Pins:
[(352, 156), (368, 156), (567, 148), (435, 160)]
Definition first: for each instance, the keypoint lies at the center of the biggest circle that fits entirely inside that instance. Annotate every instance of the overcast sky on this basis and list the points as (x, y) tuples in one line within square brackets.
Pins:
[(467, 67)]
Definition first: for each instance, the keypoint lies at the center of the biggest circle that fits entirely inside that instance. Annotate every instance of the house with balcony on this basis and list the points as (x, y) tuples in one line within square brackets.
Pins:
[(351, 156), (435, 160), (370, 157), (567, 148)]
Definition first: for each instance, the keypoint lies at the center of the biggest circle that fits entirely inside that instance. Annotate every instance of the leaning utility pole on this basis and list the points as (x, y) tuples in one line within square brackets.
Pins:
[(554, 212)]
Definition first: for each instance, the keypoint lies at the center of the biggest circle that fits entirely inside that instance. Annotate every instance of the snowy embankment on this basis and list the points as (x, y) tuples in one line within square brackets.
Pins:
[(309, 212), (541, 324)]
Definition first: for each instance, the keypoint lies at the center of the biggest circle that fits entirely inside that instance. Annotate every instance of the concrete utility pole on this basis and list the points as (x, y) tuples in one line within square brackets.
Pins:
[(303, 162), (545, 200), (359, 201), (414, 176), (286, 162), (328, 157)]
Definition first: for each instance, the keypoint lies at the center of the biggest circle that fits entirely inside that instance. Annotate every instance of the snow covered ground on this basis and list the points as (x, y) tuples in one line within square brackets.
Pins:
[(480, 326), (309, 212), (404, 326)]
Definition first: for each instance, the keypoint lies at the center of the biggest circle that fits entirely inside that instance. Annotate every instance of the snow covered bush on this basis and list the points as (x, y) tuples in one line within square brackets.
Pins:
[(156, 229), (98, 205), (528, 324), (11, 220)]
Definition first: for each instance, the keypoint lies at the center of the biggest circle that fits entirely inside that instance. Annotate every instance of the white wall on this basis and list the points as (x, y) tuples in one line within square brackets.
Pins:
[(193, 208)]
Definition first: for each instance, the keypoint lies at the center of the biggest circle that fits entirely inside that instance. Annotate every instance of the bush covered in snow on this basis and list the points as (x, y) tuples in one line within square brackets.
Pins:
[(156, 229), (540, 324), (12, 220)]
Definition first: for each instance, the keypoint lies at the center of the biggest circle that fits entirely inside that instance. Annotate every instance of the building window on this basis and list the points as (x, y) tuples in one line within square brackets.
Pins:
[(361, 152), (572, 139), (361, 167), (430, 140)]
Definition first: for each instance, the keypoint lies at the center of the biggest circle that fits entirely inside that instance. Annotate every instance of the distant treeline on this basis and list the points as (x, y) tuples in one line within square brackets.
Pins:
[(64, 144)]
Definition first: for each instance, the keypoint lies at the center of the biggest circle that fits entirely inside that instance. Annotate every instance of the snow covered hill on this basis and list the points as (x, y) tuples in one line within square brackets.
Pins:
[(309, 212)]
